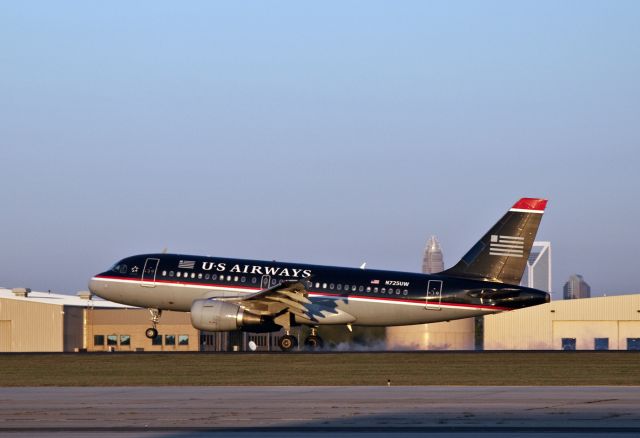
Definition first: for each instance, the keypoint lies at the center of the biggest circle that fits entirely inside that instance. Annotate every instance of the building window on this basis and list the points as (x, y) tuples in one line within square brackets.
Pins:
[(183, 340), (98, 340), (568, 343), (157, 340), (112, 340), (633, 344), (601, 343), (169, 340), (125, 340)]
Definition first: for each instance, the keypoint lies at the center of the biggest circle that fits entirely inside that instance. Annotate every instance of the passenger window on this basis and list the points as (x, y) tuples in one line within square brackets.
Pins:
[(214, 277), (200, 276), (179, 274), (243, 279), (369, 289), (206, 276), (353, 288), (339, 287), (361, 288), (383, 290), (375, 290), (346, 288), (164, 273), (324, 285), (317, 285), (332, 286), (235, 278), (405, 292), (397, 291), (171, 273), (254, 280), (193, 275)]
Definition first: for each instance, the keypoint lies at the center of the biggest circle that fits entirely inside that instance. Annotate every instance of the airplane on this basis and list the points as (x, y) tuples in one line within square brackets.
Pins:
[(226, 294)]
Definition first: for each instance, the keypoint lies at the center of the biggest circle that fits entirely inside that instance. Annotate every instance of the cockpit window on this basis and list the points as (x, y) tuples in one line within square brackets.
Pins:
[(123, 269), (116, 267)]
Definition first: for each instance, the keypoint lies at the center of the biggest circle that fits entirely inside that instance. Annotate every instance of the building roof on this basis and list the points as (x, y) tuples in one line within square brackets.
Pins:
[(61, 300)]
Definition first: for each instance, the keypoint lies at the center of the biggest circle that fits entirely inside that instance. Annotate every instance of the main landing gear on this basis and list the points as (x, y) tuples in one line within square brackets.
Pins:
[(288, 342), (313, 341), (152, 332)]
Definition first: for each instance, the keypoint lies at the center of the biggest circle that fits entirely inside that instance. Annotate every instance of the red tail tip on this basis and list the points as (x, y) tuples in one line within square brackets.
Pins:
[(531, 204)]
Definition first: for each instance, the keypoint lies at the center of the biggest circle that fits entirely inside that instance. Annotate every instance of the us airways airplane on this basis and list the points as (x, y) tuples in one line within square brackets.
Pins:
[(226, 294)]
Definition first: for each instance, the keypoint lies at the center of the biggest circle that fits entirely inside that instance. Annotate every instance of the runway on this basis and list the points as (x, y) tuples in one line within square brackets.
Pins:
[(320, 411)]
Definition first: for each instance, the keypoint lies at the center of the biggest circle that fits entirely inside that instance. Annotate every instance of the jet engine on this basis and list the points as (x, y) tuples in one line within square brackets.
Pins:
[(219, 316)]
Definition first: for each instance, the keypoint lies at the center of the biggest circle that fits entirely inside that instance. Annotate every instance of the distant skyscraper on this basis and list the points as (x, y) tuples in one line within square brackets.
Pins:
[(576, 287), (432, 261), (537, 273)]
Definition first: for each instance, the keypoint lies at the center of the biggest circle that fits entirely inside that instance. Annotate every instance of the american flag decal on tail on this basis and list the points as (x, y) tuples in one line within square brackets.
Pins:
[(509, 246)]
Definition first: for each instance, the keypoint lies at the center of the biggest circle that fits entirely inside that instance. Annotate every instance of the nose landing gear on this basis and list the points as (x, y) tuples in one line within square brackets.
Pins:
[(152, 332)]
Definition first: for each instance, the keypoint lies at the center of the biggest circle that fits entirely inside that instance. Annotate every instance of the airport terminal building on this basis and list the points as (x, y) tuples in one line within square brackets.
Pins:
[(602, 323), (47, 322)]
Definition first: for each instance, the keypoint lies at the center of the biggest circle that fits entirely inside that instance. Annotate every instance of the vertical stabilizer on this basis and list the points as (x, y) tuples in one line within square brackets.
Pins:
[(502, 253)]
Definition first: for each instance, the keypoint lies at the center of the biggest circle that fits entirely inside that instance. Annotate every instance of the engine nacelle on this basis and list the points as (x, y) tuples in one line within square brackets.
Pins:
[(219, 316)]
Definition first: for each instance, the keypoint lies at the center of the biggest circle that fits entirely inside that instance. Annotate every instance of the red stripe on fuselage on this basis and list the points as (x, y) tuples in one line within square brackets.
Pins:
[(322, 294)]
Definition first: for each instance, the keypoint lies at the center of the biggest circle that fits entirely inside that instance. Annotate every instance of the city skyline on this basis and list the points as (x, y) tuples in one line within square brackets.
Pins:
[(331, 133)]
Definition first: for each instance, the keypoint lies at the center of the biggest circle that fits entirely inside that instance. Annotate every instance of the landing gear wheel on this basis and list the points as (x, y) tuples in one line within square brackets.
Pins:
[(151, 333), (313, 342), (287, 342)]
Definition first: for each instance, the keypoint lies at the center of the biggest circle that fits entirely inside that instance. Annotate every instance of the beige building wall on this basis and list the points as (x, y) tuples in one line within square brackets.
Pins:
[(543, 327), (31, 327), (127, 327), (451, 335)]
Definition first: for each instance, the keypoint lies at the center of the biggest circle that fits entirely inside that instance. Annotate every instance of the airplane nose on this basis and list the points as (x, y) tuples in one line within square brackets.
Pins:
[(96, 287)]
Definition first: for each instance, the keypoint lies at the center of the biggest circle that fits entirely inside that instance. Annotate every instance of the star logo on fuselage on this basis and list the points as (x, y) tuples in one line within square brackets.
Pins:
[(135, 269)]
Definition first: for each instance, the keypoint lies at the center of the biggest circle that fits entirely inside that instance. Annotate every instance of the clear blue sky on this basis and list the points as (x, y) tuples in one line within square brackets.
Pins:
[(327, 132)]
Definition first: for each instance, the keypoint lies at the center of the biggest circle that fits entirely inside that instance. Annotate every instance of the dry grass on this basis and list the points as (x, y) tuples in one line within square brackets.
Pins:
[(431, 368)]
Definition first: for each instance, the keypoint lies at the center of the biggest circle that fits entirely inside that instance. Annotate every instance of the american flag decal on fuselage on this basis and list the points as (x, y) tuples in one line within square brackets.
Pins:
[(509, 246), (186, 264)]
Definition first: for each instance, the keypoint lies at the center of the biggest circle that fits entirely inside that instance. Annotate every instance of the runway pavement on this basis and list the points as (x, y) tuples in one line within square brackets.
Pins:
[(321, 411)]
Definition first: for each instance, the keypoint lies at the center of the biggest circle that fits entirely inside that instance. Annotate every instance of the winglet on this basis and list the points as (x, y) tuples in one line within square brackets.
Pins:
[(530, 205), (364, 265)]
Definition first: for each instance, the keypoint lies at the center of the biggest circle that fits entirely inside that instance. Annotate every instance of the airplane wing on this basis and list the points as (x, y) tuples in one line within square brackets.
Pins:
[(284, 298)]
